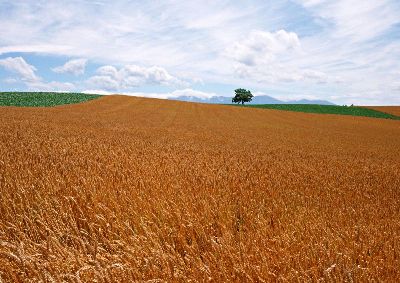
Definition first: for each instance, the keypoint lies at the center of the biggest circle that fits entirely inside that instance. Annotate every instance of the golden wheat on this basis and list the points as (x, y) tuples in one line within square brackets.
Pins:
[(130, 189)]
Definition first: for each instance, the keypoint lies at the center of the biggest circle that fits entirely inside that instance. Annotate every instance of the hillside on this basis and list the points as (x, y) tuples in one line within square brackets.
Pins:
[(329, 109), (133, 189), (394, 110)]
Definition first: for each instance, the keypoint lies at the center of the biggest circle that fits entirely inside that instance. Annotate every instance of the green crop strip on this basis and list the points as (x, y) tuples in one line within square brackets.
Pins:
[(327, 109), (43, 99)]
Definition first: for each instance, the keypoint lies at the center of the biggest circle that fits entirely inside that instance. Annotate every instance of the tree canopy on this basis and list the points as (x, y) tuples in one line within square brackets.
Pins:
[(242, 95)]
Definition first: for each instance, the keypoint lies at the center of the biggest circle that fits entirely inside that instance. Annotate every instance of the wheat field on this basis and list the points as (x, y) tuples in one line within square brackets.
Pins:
[(123, 189)]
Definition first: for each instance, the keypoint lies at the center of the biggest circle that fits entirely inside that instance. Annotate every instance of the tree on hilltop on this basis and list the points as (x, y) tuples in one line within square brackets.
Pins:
[(242, 95)]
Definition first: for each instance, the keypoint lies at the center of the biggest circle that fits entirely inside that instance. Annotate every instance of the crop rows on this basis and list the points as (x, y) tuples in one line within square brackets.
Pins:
[(130, 189), (43, 99), (394, 110), (332, 109)]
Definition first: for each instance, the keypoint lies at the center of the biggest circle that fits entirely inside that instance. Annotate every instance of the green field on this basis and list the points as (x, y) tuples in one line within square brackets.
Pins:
[(327, 109), (43, 99)]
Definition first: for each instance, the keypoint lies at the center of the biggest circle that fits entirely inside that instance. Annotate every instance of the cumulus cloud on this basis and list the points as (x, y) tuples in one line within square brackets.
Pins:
[(75, 67), (266, 57), (26, 73), (130, 76), (260, 46), (19, 66)]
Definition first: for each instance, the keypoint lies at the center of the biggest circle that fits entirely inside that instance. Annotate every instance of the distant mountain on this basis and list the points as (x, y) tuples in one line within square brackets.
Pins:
[(307, 101), (262, 99), (265, 99)]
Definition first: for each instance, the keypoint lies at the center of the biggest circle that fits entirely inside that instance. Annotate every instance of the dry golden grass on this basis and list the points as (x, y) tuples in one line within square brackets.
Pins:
[(130, 189), (394, 110)]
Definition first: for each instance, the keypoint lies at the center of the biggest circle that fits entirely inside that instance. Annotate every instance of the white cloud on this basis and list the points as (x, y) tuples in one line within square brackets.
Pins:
[(75, 67), (104, 82), (130, 76), (267, 57), (354, 19), (97, 91), (261, 47), (26, 73), (121, 32), (19, 66)]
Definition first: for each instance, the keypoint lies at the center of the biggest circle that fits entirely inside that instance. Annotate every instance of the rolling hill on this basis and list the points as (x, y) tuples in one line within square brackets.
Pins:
[(123, 189)]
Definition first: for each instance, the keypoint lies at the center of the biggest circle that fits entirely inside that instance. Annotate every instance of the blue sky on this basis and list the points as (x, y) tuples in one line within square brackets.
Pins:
[(344, 51)]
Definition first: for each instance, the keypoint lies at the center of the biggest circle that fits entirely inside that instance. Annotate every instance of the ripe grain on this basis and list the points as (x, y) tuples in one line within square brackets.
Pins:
[(133, 189)]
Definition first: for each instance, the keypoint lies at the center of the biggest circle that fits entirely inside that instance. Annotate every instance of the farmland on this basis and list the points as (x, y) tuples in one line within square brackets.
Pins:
[(394, 110), (133, 189), (374, 112), (43, 99)]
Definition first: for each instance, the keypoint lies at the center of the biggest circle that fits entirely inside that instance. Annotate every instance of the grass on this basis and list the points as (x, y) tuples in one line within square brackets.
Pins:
[(328, 109), (43, 99)]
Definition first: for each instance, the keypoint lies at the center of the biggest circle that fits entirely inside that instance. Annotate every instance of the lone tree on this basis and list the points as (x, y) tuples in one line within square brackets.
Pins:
[(242, 95)]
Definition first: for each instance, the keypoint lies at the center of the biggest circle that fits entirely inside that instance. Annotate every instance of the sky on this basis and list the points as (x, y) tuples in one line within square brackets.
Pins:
[(343, 51)]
